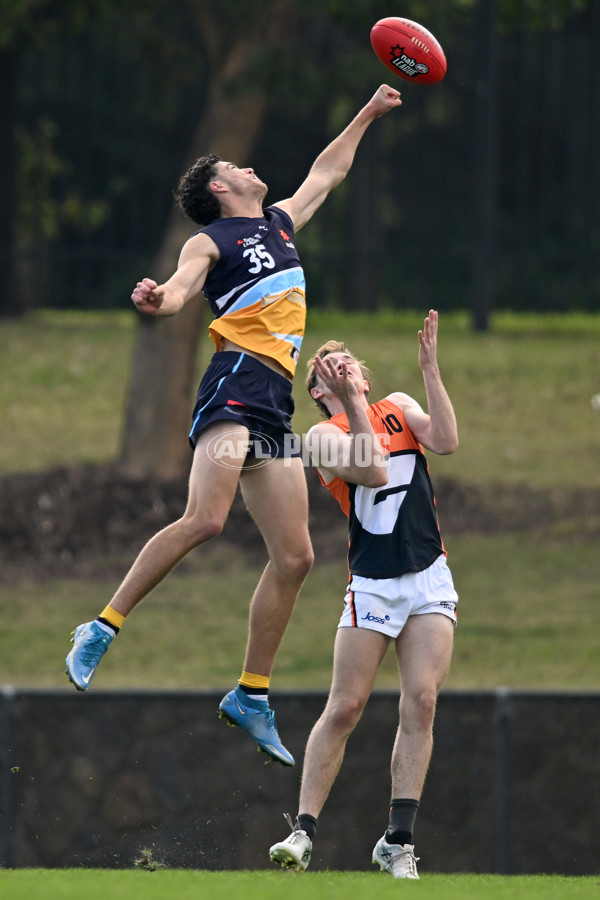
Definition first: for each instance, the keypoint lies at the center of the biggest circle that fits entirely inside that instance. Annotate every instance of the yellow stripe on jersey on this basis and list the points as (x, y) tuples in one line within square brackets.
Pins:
[(273, 326)]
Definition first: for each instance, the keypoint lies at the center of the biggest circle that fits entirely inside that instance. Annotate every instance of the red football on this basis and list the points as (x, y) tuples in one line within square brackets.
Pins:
[(409, 50)]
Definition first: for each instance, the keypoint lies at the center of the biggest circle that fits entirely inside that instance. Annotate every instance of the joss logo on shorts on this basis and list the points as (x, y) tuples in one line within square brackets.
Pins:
[(378, 620)]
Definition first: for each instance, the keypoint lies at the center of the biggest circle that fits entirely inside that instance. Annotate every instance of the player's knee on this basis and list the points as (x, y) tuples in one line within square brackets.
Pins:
[(427, 702), (343, 715), (305, 561), (295, 564), (420, 708), (205, 529)]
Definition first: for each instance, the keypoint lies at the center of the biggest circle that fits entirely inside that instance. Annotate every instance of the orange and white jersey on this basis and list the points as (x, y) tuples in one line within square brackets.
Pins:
[(392, 529), (256, 290)]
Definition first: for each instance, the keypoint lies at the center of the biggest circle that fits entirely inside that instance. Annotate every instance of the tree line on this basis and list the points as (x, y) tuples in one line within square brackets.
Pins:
[(481, 194)]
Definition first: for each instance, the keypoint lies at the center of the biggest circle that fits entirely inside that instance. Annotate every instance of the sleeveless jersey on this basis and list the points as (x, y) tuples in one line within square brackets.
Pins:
[(392, 529), (256, 291)]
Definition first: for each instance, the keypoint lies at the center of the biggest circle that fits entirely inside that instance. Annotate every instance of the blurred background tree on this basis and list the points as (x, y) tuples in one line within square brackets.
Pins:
[(481, 194)]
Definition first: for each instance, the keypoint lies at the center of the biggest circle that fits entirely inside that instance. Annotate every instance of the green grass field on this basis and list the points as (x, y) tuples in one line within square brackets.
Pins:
[(522, 392), (98, 884), (528, 603), (528, 599), (536, 629)]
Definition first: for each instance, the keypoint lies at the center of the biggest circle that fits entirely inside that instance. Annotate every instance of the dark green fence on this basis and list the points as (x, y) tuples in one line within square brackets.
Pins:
[(484, 189), (92, 780)]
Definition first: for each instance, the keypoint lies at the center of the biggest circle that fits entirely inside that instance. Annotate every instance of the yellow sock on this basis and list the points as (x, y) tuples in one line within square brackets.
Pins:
[(256, 686), (247, 679), (112, 617)]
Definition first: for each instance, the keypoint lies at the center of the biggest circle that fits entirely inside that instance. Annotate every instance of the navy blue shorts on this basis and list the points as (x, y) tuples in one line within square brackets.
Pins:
[(239, 389)]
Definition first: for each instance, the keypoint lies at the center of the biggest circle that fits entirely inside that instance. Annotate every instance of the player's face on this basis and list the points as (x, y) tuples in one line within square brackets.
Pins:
[(244, 182), (341, 360), (337, 366)]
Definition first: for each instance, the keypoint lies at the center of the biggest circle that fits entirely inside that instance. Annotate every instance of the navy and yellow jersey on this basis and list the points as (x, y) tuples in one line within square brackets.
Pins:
[(392, 529), (256, 291)]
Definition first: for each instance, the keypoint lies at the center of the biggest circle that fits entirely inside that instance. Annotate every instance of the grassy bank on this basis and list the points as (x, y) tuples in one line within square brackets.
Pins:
[(527, 619), (527, 599), (523, 392)]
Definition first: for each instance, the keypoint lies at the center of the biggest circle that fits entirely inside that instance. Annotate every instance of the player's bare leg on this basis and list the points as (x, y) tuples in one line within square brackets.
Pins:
[(424, 651), (276, 497), (357, 656), (212, 487)]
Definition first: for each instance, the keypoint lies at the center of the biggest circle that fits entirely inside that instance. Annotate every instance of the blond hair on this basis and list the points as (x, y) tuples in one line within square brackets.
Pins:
[(311, 373)]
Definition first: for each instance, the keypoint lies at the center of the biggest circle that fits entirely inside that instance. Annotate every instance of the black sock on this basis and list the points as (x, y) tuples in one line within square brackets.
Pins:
[(403, 813), (308, 824), (109, 624), (255, 693)]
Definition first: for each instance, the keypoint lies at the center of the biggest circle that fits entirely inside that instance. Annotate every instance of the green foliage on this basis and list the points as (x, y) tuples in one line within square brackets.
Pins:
[(111, 93), (538, 14), (25, 23), (42, 211), (55, 199), (12, 13)]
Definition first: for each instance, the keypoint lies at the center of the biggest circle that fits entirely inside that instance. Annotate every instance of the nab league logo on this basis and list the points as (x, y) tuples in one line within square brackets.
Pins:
[(250, 241), (406, 63)]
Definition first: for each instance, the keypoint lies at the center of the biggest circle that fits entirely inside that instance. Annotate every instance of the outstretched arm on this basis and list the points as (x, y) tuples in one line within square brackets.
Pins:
[(333, 164), (436, 430), (195, 261)]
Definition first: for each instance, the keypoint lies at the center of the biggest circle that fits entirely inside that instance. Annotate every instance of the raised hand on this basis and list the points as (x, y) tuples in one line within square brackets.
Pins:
[(428, 340), (147, 297)]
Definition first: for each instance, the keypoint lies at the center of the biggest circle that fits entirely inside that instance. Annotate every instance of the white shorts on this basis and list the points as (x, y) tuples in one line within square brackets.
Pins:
[(384, 604)]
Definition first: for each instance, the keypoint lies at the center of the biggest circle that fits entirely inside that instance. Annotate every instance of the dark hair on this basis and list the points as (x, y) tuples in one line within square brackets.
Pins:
[(322, 352), (194, 196)]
